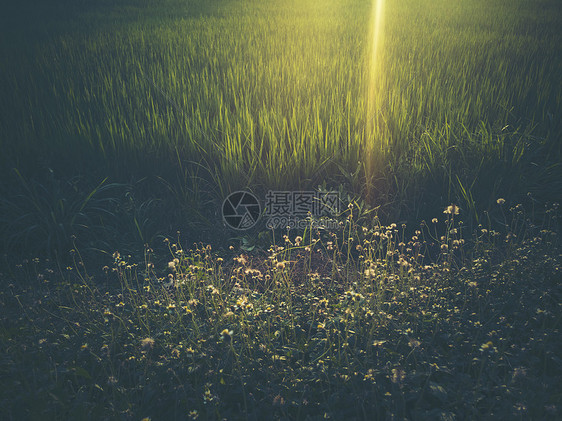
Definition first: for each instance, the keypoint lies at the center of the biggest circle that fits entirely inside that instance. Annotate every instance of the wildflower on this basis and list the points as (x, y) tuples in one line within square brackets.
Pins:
[(486, 346), (413, 343), (193, 415), (105, 350), (226, 335), (243, 303), (370, 272), (280, 265), (520, 407), (398, 375), (403, 262), (253, 272), (213, 290), (147, 344), (278, 400), (434, 221), (370, 375), (519, 373), (298, 240), (208, 396), (451, 210), (241, 259), (500, 201)]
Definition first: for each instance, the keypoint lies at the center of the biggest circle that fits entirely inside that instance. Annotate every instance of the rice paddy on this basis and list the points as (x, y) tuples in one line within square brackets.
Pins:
[(435, 294)]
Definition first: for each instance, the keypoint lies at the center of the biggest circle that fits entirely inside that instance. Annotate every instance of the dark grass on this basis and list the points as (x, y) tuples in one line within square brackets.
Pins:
[(469, 118), (302, 332)]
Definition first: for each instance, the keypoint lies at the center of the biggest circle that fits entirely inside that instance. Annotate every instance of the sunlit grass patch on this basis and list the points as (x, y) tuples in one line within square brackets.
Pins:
[(273, 95)]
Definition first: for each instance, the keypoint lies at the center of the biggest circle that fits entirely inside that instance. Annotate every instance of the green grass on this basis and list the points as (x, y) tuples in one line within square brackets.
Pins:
[(265, 95)]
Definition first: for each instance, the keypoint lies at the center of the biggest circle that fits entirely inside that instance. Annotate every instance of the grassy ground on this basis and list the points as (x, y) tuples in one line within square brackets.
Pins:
[(184, 102), (364, 323), (124, 121)]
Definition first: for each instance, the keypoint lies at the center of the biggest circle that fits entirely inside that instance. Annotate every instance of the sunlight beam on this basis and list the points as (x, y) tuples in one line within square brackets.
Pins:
[(374, 78)]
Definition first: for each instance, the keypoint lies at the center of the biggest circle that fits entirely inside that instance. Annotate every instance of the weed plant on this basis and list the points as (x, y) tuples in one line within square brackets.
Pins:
[(367, 322)]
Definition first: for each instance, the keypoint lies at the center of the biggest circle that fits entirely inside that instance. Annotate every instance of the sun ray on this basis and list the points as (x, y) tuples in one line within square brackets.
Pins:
[(375, 74)]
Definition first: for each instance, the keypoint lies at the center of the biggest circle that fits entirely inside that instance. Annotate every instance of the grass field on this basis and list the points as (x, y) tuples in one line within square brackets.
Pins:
[(199, 99), (122, 122)]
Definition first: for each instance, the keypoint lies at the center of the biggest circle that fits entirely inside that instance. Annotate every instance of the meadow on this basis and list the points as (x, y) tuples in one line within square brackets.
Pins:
[(125, 124)]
